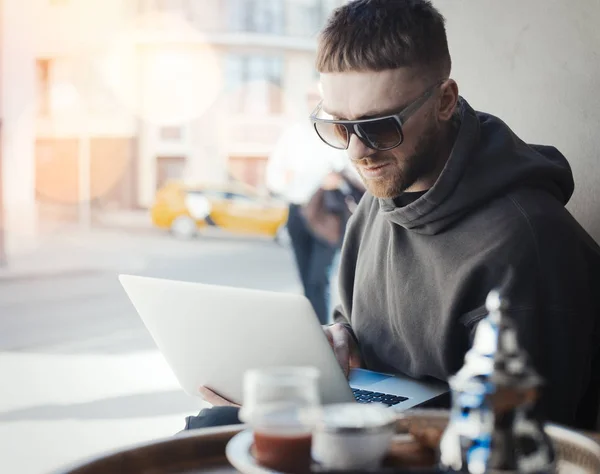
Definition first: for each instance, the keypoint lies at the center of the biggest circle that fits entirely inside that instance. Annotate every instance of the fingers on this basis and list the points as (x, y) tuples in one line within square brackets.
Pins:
[(338, 339), (344, 346), (327, 331), (355, 361), (215, 399)]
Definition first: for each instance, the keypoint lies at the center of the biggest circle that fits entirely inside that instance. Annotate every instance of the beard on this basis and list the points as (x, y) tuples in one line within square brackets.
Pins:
[(407, 170)]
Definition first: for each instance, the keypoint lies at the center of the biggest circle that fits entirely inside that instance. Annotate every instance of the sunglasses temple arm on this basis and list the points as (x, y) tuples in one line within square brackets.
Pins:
[(416, 105), (316, 110)]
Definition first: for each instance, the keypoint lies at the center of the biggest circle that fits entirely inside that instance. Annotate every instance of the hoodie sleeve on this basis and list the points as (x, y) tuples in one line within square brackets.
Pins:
[(210, 417)]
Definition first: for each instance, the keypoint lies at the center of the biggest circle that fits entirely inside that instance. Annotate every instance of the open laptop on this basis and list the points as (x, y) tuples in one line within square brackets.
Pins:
[(210, 335)]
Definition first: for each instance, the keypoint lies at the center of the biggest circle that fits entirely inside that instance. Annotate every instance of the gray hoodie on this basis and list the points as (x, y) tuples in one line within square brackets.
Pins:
[(414, 279)]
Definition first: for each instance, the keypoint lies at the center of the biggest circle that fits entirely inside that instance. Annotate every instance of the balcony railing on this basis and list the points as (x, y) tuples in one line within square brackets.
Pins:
[(294, 18)]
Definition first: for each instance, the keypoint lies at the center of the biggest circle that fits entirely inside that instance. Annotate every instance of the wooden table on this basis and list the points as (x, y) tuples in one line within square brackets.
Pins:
[(199, 451)]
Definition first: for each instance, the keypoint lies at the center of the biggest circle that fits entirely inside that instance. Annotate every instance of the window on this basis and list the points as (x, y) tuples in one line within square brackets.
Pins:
[(140, 101), (254, 83), (308, 17), (171, 134), (256, 16)]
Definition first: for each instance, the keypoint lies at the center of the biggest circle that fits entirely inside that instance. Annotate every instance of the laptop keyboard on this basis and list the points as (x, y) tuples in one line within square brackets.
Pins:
[(366, 396)]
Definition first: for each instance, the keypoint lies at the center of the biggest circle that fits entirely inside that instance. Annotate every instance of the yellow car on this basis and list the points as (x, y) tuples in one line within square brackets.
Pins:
[(184, 209)]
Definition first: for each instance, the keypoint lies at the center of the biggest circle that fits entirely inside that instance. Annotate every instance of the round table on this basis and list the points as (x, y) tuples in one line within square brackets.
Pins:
[(194, 452)]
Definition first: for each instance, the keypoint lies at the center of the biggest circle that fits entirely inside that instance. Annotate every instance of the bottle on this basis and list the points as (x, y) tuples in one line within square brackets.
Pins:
[(494, 426)]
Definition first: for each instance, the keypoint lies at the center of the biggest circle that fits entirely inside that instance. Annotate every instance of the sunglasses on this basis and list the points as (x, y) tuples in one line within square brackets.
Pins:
[(380, 133)]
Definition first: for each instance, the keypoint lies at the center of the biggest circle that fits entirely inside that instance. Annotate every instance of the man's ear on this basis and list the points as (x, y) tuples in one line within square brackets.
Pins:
[(448, 100)]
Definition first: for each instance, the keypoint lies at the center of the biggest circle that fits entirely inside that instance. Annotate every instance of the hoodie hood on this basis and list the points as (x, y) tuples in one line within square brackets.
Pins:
[(487, 161)]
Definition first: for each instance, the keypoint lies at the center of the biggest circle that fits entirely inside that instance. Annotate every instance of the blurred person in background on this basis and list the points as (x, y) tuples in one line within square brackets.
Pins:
[(327, 212), (317, 183)]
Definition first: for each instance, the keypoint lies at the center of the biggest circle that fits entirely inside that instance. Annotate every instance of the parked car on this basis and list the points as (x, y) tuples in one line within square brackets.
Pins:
[(185, 209)]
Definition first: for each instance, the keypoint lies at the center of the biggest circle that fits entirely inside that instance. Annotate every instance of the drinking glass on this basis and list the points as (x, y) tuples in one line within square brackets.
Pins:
[(280, 404)]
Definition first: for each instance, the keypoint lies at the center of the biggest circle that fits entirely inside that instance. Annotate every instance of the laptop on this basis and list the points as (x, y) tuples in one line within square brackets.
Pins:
[(210, 335)]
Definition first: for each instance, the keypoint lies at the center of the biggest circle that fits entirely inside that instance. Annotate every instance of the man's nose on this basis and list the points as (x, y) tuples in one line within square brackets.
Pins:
[(357, 149)]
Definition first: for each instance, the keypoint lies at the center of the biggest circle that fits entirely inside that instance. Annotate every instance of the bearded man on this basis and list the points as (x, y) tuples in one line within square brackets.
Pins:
[(455, 199)]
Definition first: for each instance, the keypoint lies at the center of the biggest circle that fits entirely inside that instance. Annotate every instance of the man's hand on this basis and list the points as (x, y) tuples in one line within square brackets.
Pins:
[(344, 347), (215, 399)]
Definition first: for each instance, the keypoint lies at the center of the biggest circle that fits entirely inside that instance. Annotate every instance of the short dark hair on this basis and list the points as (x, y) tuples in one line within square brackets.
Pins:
[(375, 35)]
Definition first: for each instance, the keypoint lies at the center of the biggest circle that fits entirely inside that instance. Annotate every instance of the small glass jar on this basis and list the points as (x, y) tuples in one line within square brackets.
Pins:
[(279, 405), (350, 436)]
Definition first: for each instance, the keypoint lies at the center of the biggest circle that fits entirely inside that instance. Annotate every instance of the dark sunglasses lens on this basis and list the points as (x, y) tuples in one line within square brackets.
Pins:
[(382, 134), (333, 134)]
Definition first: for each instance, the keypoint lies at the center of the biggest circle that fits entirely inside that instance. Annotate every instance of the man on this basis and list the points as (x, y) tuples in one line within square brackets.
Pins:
[(455, 199), (297, 168)]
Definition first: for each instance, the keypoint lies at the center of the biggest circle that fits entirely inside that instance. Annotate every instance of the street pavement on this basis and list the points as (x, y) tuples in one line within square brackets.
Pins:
[(79, 373)]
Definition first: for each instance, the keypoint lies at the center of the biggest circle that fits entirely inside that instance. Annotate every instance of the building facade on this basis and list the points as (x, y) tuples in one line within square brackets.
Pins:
[(132, 93)]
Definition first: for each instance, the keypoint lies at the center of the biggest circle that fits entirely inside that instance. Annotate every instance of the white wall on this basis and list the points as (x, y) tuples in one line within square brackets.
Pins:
[(536, 64)]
